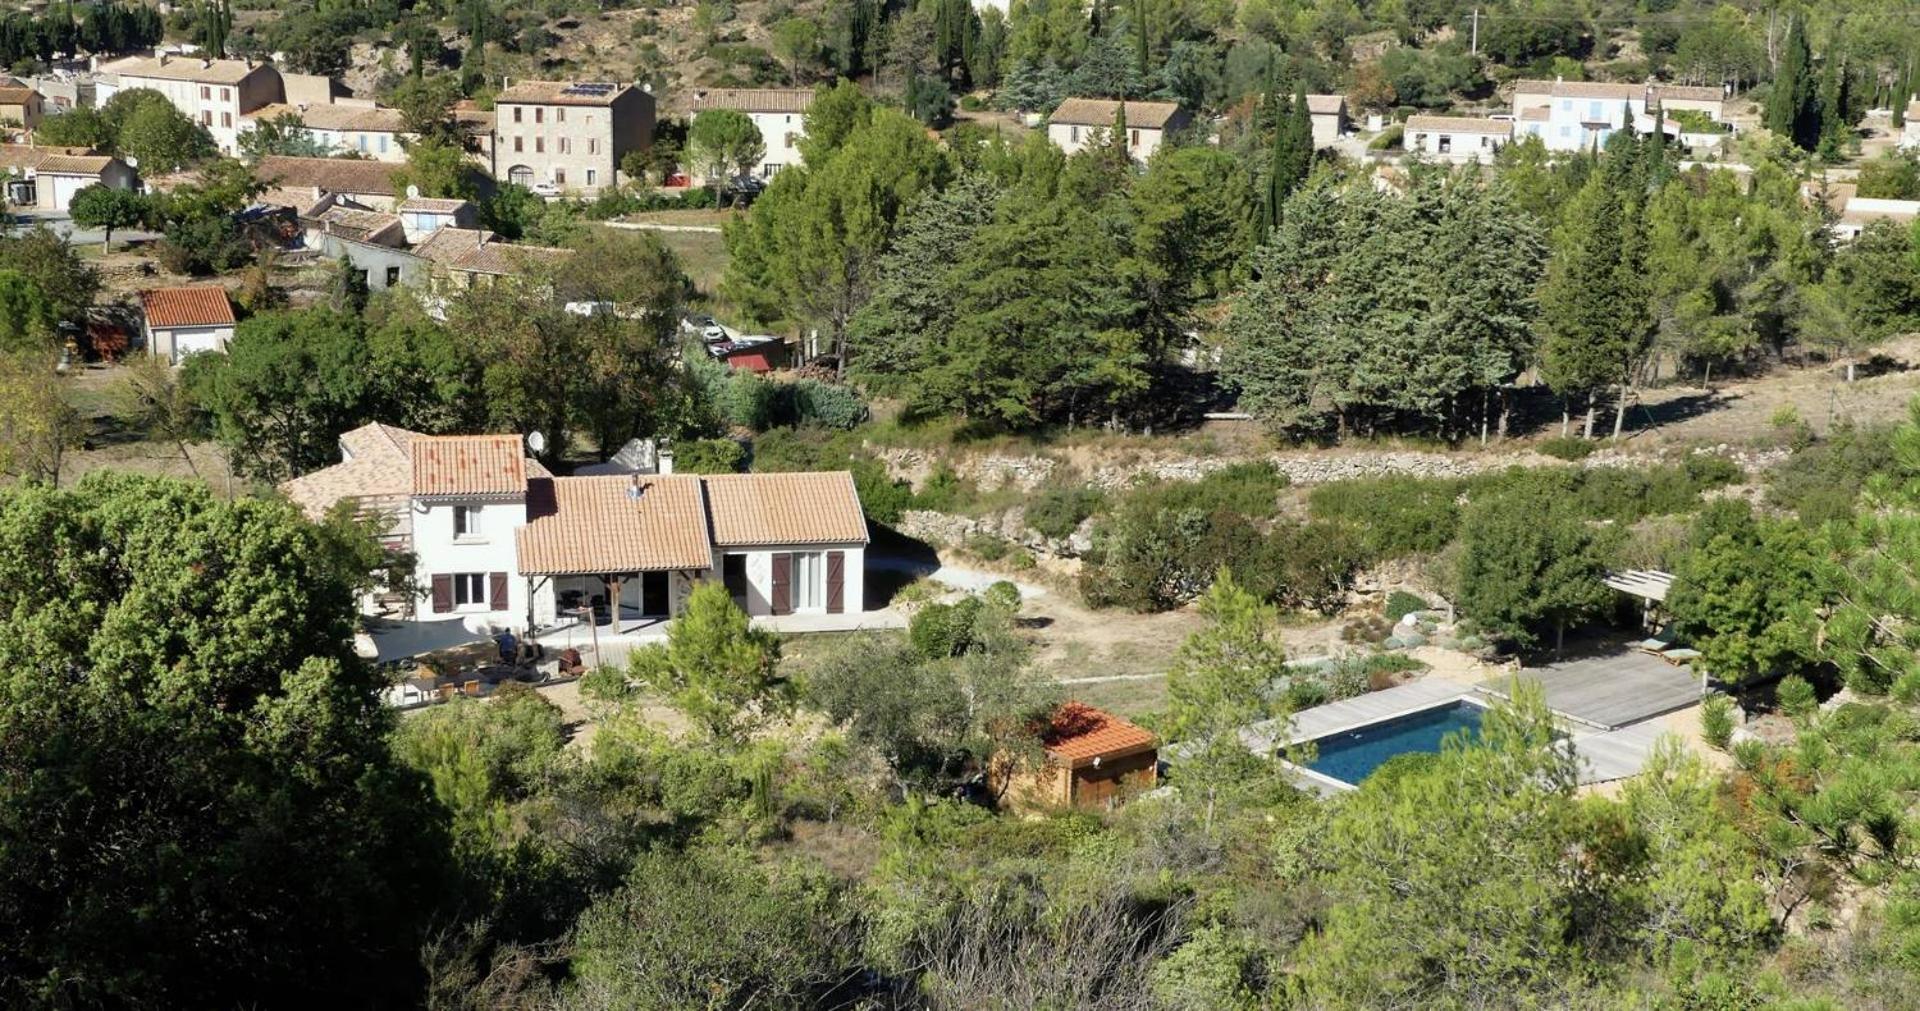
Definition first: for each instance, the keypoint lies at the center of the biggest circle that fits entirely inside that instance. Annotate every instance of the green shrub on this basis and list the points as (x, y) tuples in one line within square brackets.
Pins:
[(826, 404), (1003, 594), (1057, 512), (1821, 481), (989, 547), (944, 491), (1397, 516), (709, 456), (1400, 603), (938, 631), (1796, 696), (1706, 470), (1567, 447), (882, 496), (1716, 721), (1021, 560), (1389, 138), (1162, 543)]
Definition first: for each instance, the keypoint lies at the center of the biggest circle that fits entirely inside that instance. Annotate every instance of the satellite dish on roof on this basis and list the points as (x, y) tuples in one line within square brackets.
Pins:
[(536, 442), (413, 192)]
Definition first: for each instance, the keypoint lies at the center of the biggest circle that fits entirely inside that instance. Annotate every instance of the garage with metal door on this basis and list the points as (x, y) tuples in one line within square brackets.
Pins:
[(195, 340), (64, 187)]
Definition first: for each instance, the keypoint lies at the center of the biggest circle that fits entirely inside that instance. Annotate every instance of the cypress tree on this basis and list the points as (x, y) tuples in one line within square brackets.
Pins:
[(1140, 36), (1793, 110)]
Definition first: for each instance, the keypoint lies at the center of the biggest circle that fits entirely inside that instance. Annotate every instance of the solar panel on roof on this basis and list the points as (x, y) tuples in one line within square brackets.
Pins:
[(589, 88)]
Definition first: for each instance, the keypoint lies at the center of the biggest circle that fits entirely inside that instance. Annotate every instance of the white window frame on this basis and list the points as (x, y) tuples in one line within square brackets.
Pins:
[(470, 590), (809, 581), (466, 523)]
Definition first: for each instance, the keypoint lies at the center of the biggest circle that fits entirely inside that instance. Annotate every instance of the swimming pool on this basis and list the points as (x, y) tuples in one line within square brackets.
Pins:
[(1352, 755)]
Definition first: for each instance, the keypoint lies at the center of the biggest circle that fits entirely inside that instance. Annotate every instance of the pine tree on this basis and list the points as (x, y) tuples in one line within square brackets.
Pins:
[(1793, 111), (1594, 316)]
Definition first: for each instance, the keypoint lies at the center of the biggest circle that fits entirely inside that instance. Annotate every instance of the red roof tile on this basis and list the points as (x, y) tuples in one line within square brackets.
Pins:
[(468, 465), (615, 523), (199, 305), (785, 508), (1077, 733)]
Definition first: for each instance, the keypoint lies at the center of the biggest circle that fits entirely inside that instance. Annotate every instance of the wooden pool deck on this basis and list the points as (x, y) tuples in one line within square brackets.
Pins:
[(1608, 691)]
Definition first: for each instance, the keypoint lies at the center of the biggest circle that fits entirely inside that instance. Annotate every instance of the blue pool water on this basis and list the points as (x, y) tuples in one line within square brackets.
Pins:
[(1352, 755)]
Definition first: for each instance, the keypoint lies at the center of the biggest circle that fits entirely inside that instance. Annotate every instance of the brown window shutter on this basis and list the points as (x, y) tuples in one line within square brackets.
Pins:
[(497, 590), (442, 594), (783, 583), (836, 581)]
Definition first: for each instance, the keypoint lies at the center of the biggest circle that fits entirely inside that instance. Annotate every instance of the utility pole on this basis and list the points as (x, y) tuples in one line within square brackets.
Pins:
[(1473, 48)]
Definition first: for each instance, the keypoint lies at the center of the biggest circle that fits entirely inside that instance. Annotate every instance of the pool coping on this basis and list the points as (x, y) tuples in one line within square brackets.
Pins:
[(1321, 779)]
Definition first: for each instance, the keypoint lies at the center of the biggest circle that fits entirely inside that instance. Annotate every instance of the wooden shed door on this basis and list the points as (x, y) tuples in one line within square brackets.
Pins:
[(497, 590), (836, 581), (783, 583), (442, 594)]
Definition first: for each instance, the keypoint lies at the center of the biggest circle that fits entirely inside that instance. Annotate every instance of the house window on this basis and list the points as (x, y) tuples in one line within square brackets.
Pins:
[(559, 115), (393, 276), (362, 139), (226, 94), (1446, 143), (1073, 134), (1593, 111), (516, 114), (809, 580), (1135, 140), (516, 143), (206, 93), (1566, 132), (593, 145), (466, 519), (1566, 105), (559, 177), (226, 119), (539, 115), (592, 177), (469, 588), (206, 117), (539, 145), (383, 143), (566, 145)]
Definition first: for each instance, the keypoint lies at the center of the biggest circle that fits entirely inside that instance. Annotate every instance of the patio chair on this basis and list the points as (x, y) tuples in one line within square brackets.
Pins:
[(1659, 642)]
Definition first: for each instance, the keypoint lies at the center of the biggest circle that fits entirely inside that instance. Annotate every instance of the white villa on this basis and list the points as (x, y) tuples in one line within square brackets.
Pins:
[(779, 113), (502, 543), (1579, 115), (1077, 121), (1456, 138)]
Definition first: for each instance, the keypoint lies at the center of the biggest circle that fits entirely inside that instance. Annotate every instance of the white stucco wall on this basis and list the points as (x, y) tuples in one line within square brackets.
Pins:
[(1072, 138), (781, 132), (490, 550), (760, 576)]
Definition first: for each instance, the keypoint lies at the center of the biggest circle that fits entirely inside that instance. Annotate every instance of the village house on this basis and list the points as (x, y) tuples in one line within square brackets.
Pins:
[(360, 182), (423, 216), (21, 107), (561, 136), (214, 93), (1580, 115), (351, 223), (1456, 138), (464, 258), (46, 178), (1077, 121), (186, 321), (1091, 759), (780, 114), (1329, 116), (360, 128), (502, 543)]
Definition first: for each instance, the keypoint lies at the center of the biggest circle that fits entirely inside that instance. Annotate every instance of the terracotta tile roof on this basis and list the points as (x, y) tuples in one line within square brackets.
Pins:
[(55, 160), (479, 251), (185, 68), (17, 94), (352, 223), (616, 523), (795, 508), (560, 93), (1099, 112), (198, 305), (790, 100), (364, 118), (335, 175), (1687, 93), (479, 465), (378, 467), (1459, 124), (433, 205), (1317, 105), (1077, 733)]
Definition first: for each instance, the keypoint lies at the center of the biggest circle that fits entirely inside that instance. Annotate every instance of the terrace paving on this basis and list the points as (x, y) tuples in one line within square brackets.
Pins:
[(1616, 688)]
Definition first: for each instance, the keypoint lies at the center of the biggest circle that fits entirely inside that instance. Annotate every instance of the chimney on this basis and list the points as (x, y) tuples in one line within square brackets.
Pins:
[(664, 460), (206, 62), (164, 57)]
